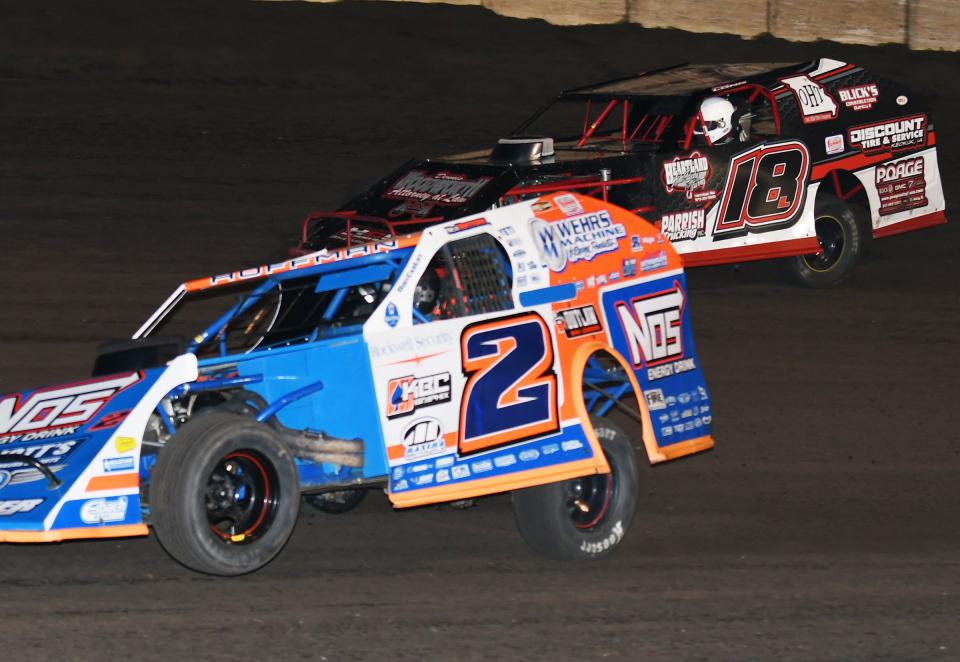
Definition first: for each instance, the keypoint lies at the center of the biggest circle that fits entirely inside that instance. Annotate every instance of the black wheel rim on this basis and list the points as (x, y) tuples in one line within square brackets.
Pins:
[(588, 499), (241, 497), (831, 236)]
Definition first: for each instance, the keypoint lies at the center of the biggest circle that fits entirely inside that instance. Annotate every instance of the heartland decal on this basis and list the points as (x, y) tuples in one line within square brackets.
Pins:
[(815, 103), (67, 406), (580, 321), (899, 134), (688, 174), (437, 188), (575, 239), (859, 97), (901, 185), (405, 394), (684, 225), (652, 325)]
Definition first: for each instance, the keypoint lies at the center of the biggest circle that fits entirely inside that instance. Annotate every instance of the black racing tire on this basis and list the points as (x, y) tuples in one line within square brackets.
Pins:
[(336, 502), (224, 494), (583, 518), (841, 243)]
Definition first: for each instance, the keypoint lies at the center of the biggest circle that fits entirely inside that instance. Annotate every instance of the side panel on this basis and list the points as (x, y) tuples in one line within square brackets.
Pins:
[(649, 324), (345, 407), (88, 434)]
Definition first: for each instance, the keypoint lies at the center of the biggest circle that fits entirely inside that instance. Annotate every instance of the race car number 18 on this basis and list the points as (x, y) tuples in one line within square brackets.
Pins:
[(764, 189)]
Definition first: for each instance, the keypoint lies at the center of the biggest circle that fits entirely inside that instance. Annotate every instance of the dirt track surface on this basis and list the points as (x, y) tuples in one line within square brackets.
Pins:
[(145, 144)]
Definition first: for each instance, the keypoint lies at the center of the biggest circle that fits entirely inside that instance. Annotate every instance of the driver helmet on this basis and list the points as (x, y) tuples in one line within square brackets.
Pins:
[(716, 119)]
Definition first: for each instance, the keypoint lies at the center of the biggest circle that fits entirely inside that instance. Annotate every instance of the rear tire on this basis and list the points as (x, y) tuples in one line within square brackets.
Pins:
[(224, 495), (336, 502), (587, 517), (841, 242)]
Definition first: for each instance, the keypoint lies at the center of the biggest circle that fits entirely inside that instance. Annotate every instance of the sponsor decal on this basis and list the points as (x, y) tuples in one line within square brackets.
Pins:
[(630, 267), (405, 394), (124, 444), (101, 511), (655, 400), (815, 103), (568, 204), (859, 97), (436, 188), (728, 86), (19, 476), (67, 406), (833, 144), (305, 262), (52, 453), (16, 506), (901, 185), (411, 345), (463, 226), (616, 535), (111, 464), (423, 438), (684, 225), (541, 206), (460, 471), (902, 100), (391, 316), (686, 173), (580, 321), (408, 272), (894, 135), (652, 325), (654, 262), (575, 239)]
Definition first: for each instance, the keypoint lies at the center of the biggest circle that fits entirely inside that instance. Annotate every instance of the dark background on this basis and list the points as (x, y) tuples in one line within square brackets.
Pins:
[(146, 143)]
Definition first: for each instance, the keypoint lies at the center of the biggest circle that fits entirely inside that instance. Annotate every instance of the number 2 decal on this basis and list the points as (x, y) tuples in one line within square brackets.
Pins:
[(511, 391), (765, 188)]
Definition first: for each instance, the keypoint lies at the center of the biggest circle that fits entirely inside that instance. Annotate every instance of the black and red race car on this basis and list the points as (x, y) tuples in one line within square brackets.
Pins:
[(815, 159)]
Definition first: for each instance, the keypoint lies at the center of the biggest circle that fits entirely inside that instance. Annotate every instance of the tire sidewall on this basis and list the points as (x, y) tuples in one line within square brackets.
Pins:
[(798, 270), (187, 488)]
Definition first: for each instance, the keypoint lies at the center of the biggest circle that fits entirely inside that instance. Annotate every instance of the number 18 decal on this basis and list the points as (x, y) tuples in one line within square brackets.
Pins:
[(511, 391), (765, 188)]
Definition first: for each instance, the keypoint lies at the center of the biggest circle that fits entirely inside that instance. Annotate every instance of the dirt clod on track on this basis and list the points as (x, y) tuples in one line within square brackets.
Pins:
[(145, 143)]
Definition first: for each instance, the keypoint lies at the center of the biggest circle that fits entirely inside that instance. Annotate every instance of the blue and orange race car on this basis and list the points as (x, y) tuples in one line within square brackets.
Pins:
[(482, 356)]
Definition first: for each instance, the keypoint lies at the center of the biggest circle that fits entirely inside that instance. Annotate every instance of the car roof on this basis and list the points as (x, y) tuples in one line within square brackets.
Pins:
[(680, 80)]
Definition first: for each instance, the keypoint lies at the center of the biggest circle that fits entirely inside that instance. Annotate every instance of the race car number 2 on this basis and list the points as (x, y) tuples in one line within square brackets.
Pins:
[(511, 389), (764, 189)]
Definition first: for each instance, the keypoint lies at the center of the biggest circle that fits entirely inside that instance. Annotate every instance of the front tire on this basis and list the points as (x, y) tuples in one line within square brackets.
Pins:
[(587, 517), (841, 242), (224, 495)]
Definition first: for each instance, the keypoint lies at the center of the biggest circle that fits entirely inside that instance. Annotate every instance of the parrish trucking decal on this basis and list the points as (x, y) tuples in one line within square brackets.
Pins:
[(684, 225), (893, 135)]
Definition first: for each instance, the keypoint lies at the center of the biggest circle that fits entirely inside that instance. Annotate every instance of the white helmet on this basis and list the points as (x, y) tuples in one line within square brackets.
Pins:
[(716, 119)]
